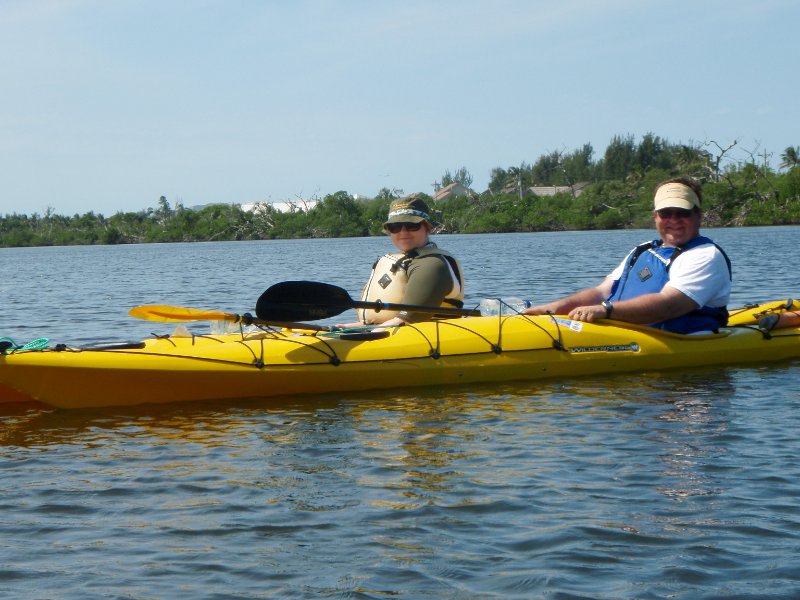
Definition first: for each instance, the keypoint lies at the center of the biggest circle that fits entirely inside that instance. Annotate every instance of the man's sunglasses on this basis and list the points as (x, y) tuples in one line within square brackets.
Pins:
[(396, 227), (674, 213)]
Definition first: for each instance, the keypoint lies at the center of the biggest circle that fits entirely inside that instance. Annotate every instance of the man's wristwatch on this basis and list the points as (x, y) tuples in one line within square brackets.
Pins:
[(608, 306)]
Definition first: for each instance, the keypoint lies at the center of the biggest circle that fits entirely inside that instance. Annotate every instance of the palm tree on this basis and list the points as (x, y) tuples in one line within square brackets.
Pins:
[(790, 158)]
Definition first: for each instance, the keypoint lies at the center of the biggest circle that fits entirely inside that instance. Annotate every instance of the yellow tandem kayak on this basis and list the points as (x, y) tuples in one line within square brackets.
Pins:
[(280, 362)]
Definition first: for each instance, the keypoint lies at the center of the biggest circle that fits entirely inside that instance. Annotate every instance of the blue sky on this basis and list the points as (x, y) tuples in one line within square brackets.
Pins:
[(109, 104)]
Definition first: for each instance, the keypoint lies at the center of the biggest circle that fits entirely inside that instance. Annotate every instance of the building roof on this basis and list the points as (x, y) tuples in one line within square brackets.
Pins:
[(454, 189)]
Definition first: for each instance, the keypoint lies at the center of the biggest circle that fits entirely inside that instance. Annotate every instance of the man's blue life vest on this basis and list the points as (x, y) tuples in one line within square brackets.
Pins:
[(649, 264)]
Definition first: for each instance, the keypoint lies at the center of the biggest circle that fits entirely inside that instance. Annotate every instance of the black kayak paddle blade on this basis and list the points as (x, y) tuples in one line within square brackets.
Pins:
[(302, 301)]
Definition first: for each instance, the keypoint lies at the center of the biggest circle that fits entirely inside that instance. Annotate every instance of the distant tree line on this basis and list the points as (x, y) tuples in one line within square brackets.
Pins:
[(741, 189)]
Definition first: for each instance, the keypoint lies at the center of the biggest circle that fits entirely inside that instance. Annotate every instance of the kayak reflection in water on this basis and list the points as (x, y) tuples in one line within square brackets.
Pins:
[(420, 274)]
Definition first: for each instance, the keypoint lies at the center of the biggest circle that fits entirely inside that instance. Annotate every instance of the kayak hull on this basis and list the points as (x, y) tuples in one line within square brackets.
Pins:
[(267, 363)]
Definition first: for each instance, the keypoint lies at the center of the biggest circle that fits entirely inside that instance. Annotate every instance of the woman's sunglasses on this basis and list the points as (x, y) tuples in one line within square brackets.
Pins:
[(674, 213), (396, 227)]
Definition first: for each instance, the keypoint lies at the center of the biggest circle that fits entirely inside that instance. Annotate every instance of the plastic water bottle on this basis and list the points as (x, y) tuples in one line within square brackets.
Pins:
[(514, 305), (224, 327), (492, 307), (489, 307)]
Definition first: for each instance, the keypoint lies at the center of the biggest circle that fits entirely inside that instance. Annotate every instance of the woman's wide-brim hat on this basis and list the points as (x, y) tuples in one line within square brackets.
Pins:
[(411, 209)]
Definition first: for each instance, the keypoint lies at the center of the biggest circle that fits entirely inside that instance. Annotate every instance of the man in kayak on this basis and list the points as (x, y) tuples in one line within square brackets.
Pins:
[(421, 273), (680, 282)]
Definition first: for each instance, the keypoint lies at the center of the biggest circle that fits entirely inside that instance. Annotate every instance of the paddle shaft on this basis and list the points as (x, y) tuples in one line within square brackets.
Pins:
[(379, 305)]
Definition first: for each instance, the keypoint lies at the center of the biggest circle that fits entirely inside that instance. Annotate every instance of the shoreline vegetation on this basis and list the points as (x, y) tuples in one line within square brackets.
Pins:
[(560, 191)]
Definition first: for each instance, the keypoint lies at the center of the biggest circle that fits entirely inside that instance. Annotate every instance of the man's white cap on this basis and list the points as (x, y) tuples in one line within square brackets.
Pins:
[(675, 195)]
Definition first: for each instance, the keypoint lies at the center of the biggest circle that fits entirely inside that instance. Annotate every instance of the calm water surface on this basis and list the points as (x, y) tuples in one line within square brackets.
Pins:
[(657, 485)]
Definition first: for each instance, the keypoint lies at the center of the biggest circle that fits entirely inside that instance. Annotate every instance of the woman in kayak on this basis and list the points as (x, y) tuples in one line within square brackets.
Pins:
[(421, 273)]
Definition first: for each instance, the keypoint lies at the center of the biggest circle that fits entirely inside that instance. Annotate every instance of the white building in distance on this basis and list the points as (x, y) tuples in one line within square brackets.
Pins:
[(287, 206)]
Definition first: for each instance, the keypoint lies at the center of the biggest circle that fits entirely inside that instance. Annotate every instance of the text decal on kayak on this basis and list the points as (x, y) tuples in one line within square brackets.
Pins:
[(609, 348)]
